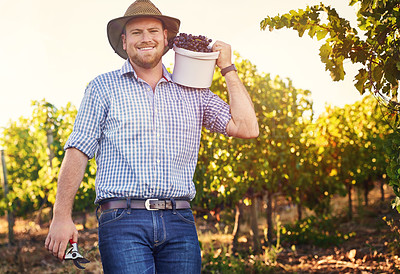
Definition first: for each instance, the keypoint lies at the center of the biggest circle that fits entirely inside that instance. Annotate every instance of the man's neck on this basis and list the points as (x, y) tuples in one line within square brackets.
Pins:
[(150, 76)]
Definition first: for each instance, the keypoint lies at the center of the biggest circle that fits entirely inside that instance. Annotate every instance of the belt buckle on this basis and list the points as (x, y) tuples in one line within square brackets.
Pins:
[(147, 204)]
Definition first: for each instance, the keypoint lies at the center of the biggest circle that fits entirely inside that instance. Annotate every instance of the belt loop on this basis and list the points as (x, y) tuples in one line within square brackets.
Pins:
[(173, 206), (97, 212), (128, 205)]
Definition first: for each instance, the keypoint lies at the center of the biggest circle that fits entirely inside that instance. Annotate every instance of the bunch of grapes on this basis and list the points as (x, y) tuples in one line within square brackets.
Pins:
[(191, 42)]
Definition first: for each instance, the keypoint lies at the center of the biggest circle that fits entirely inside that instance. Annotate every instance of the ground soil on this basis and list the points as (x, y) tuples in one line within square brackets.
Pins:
[(374, 248)]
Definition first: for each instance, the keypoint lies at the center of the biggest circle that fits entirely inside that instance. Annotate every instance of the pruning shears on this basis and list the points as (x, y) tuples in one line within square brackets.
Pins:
[(73, 254)]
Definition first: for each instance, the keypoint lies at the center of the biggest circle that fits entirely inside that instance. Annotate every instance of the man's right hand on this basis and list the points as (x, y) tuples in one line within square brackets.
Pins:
[(60, 232)]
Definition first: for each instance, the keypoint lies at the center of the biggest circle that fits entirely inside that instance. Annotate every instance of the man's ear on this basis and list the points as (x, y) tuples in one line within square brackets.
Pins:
[(166, 37), (123, 37)]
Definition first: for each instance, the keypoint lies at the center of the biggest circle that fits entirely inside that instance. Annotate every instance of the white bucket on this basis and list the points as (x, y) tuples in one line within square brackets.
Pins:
[(194, 69)]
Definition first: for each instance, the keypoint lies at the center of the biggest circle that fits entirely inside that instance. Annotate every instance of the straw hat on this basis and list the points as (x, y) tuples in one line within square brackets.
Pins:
[(140, 8)]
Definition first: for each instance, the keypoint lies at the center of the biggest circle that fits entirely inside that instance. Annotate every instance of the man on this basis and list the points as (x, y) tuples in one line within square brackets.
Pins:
[(145, 132)]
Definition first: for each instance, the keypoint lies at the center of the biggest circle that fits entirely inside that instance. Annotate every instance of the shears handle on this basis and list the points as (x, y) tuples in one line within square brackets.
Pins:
[(73, 248)]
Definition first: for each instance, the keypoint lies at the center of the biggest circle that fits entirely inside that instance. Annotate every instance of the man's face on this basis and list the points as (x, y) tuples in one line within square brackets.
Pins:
[(144, 41)]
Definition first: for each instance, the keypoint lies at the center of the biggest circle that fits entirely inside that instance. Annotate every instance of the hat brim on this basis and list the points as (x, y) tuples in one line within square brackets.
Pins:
[(116, 26)]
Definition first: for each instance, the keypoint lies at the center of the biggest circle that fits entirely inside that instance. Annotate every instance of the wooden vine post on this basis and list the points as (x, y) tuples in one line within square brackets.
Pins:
[(10, 215)]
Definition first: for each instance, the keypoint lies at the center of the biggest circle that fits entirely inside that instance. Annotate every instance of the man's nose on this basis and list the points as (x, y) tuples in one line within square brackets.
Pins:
[(146, 36)]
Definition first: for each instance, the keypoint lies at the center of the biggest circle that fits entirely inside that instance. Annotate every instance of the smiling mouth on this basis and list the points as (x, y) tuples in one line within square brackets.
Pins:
[(146, 48)]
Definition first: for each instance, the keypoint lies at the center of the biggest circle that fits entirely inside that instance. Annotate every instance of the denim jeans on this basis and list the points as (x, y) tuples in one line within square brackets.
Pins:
[(142, 241)]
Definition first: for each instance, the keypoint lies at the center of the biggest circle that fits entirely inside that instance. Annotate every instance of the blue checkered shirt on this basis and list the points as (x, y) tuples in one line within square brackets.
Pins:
[(146, 143)]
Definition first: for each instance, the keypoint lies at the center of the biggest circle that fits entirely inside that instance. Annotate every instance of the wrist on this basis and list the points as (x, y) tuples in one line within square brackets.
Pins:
[(227, 69), (61, 216), (62, 213)]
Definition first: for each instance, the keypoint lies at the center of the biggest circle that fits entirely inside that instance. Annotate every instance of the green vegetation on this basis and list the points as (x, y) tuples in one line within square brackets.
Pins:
[(34, 152), (375, 48), (322, 232)]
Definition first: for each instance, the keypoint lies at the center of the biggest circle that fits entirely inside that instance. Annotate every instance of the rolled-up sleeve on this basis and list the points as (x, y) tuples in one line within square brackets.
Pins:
[(216, 112), (87, 131)]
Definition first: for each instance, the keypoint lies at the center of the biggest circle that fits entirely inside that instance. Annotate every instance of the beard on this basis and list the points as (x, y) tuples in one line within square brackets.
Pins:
[(147, 61)]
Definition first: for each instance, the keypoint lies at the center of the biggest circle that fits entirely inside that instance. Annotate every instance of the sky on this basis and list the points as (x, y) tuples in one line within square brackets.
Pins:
[(51, 49)]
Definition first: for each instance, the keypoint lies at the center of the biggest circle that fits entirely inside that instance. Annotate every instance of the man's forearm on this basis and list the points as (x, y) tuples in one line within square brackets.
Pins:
[(70, 177), (244, 121)]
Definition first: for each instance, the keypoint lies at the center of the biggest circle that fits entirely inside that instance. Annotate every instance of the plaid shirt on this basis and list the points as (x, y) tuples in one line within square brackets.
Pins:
[(146, 144)]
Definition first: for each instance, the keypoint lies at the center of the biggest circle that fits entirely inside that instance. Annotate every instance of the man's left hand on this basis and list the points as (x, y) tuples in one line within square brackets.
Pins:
[(224, 60)]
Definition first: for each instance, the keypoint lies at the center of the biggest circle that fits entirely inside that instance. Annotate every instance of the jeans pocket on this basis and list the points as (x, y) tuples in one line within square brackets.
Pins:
[(185, 215), (111, 215)]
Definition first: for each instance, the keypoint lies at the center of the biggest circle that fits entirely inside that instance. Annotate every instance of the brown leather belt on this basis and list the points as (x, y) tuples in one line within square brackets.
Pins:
[(149, 204)]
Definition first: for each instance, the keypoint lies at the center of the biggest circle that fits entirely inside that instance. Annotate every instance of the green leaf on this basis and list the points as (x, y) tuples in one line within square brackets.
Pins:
[(321, 34), (377, 73), (396, 203), (324, 51), (361, 78), (312, 30), (398, 65)]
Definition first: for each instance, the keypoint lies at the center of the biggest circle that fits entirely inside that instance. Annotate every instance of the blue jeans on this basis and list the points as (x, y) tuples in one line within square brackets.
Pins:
[(142, 241)]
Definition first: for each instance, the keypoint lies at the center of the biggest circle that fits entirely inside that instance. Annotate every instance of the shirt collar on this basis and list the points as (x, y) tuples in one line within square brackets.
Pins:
[(166, 74), (128, 69)]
